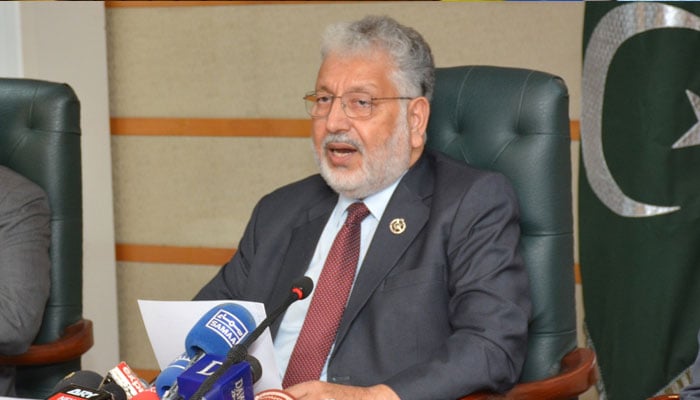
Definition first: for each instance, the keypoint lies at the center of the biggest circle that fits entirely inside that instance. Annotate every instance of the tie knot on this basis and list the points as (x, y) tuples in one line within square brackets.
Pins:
[(356, 213)]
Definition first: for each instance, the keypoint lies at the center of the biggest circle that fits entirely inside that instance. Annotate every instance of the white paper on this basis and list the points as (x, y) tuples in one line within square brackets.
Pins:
[(168, 323)]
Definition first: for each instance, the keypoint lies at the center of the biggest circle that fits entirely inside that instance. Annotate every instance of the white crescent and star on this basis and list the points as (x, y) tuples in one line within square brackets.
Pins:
[(692, 137), (613, 29)]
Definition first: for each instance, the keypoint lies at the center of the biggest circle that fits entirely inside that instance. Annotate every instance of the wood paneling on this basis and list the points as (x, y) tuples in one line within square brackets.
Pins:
[(173, 254), (240, 127), (195, 255), (186, 3)]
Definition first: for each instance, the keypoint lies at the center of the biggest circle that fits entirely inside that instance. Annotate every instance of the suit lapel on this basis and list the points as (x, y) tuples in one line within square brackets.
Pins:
[(302, 245), (408, 203)]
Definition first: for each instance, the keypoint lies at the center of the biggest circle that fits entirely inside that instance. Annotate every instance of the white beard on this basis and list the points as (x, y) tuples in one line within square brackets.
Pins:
[(378, 170)]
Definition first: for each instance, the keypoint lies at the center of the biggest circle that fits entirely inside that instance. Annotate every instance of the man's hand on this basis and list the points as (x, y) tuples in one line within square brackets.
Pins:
[(317, 390)]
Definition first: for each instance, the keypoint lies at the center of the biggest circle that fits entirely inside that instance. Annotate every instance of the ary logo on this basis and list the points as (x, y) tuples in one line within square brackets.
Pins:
[(228, 326), (84, 393), (610, 33)]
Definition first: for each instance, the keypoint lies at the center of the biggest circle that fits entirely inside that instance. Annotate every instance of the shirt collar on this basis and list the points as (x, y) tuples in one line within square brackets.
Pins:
[(376, 203)]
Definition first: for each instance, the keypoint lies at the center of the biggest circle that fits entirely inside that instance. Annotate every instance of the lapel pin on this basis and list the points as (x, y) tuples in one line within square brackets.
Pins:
[(397, 226)]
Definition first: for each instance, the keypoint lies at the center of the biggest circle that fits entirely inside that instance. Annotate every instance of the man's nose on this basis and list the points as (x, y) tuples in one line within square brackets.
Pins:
[(337, 119)]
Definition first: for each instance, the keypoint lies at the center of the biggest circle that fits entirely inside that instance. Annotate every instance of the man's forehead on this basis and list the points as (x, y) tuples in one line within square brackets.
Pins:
[(375, 56), (368, 87), (361, 72)]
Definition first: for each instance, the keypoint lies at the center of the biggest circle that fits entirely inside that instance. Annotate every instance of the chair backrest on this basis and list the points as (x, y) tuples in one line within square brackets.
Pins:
[(40, 139), (516, 121)]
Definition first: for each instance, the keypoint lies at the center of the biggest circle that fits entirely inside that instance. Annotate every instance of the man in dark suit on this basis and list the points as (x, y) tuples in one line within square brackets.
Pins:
[(440, 304), (24, 266)]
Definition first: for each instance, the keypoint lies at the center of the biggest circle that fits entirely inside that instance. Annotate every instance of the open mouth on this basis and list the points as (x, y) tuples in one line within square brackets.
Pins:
[(341, 149)]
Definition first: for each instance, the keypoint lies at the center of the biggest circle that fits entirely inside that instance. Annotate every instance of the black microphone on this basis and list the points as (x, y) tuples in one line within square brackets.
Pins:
[(117, 392), (301, 288), (82, 378), (255, 367), (86, 385)]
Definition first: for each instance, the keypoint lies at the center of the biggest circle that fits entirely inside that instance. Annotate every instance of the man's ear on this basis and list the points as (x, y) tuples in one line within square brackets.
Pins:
[(418, 114)]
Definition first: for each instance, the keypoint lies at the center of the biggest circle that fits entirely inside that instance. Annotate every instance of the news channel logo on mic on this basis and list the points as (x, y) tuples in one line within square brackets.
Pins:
[(228, 325)]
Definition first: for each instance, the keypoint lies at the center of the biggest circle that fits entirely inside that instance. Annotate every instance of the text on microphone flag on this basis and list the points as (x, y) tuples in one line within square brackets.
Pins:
[(228, 326)]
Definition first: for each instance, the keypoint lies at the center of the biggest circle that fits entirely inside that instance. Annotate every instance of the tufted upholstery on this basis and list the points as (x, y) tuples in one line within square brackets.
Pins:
[(516, 121), (40, 139)]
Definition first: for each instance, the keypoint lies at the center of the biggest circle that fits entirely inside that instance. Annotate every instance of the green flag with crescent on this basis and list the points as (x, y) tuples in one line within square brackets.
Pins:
[(639, 193)]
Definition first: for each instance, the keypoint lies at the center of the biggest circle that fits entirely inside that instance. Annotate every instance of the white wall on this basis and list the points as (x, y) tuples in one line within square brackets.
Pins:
[(11, 59), (65, 42)]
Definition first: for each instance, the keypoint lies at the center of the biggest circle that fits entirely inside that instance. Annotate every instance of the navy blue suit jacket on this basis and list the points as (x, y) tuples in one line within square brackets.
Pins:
[(436, 312)]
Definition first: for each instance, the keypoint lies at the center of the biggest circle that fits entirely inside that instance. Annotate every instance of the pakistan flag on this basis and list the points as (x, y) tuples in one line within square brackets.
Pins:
[(639, 193)]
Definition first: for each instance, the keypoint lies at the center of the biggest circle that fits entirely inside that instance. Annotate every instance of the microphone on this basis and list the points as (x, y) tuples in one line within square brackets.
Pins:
[(86, 385), (81, 378), (123, 376), (218, 330), (301, 288), (236, 383), (169, 374), (78, 392), (115, 390), (214, 333), (147, 395)]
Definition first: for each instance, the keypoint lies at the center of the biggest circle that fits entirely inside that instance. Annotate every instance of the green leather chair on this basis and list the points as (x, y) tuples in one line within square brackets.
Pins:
[(40, 139), (516, 121)]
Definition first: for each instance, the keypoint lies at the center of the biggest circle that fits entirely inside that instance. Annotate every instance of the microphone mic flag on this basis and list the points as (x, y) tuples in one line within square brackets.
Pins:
[(85, 385), (123, 376), (77, 392), (236, 383), (218, 330)]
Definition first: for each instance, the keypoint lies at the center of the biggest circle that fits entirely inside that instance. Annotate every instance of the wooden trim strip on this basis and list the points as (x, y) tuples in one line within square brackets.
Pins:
[(173, 254), (234, 127), (75, 341), (211, 127), (197, 255), (194, 3), (188, 3), (154, 3), (575, 130), (577, 273)]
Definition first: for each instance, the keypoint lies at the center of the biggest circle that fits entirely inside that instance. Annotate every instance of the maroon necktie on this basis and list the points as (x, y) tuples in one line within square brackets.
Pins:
[(328, 302)]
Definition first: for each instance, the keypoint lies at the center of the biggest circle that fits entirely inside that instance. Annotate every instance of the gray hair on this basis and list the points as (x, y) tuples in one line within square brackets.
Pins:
[(415, 68)]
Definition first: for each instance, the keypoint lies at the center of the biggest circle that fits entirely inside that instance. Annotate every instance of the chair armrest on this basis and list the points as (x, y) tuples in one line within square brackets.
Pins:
[(75, 341), (578, 373), (666, 397)]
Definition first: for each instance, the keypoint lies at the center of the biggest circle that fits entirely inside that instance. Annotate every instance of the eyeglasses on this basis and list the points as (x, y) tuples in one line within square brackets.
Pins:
[(356, 105)]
